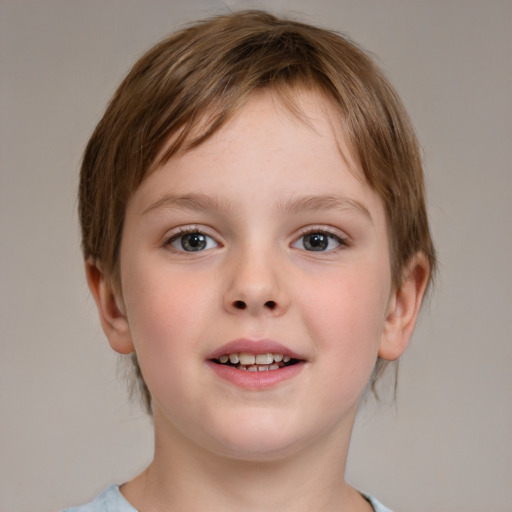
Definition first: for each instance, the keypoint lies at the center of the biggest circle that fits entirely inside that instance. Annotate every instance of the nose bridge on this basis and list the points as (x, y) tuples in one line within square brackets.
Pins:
[(255, 285)]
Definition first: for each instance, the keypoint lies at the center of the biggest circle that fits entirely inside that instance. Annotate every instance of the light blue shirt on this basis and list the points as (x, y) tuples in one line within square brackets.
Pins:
[(111, 500)]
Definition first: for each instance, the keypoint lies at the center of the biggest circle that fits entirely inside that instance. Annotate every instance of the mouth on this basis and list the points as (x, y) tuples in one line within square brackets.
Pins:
[(256, 362)]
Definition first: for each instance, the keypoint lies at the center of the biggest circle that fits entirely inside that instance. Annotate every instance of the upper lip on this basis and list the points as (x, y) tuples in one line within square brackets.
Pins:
[(254, 346)]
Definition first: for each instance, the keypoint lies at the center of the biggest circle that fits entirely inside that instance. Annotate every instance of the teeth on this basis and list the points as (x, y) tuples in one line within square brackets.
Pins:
[(255, 362), (264, 358), (247, 359), (258, 368)]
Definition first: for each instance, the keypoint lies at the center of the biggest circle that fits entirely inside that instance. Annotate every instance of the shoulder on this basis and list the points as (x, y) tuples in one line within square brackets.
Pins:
[(110, 500), (377, 505)]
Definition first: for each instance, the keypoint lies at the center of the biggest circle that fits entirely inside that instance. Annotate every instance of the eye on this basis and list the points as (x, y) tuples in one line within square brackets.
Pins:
[(192, 241), (319, 241)]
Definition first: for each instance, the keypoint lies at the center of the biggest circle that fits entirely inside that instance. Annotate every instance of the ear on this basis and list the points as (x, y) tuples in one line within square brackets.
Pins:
[(110, 308), (403, 308)]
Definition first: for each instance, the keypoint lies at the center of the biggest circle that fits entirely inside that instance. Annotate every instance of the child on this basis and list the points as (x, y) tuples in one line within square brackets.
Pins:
[(255, 235)]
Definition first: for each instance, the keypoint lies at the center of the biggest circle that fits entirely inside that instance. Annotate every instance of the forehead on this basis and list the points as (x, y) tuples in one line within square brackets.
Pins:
[(308, 105), (271, 146)]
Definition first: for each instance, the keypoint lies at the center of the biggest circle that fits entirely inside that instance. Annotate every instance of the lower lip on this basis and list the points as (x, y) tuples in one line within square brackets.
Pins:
[(256, 380)]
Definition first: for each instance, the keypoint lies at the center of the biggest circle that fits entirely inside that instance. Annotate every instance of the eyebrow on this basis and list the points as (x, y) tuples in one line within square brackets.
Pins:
[(323, 203), (310, 203), (189, 202)]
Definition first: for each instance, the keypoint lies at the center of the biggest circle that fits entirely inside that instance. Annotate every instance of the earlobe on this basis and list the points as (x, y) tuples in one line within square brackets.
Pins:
[(110, 308), (403, 309)]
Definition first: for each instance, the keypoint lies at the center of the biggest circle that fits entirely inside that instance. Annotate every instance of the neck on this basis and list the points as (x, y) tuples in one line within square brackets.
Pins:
[(185, 477)]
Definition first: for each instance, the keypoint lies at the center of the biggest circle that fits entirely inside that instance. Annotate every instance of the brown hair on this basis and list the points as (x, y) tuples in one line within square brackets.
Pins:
[(210, 69)]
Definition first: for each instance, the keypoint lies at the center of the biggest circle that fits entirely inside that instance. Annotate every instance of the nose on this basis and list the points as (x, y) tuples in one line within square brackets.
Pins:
[(255, 286)]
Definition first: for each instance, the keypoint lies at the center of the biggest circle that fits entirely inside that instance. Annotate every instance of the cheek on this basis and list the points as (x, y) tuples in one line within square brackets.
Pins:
[(162, 310), (346, 317), (165, 340), (159, 300), (348, 304)]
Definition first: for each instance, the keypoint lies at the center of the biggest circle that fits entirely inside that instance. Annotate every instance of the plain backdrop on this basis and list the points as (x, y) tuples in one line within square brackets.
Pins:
[(67, 427)]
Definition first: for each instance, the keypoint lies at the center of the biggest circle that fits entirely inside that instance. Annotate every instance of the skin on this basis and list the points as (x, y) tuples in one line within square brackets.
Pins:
[(258, 180)]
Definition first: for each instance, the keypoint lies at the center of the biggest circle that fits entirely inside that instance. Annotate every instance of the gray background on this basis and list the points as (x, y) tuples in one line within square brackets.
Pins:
[(67, 428)]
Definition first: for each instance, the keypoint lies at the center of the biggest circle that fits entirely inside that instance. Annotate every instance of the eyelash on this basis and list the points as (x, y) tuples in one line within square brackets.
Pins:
[(192, 230), (341, 240), (322, 231)]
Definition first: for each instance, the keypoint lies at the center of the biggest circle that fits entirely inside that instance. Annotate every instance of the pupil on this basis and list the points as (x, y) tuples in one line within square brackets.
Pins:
[(193, 242), (316, 242)]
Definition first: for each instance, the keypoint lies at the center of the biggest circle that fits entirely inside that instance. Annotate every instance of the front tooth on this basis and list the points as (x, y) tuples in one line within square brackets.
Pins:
[(253, 368), (274, 367), (233, 358), (223, 359), (263, 368), (264, 358), (278, 358), (247, 359)]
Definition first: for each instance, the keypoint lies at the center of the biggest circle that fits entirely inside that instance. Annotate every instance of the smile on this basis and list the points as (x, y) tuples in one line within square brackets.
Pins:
[(256, 362)]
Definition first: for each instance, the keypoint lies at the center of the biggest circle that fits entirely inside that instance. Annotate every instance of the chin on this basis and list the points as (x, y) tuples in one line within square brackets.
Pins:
[(260, 440), (254, 451)]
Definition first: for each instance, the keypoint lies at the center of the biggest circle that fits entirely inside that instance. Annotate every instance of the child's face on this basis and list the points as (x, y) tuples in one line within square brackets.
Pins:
[(261, 239)]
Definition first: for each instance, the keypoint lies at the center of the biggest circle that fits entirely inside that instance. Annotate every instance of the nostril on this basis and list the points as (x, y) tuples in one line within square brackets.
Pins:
[(240, 304), (270, 304)]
